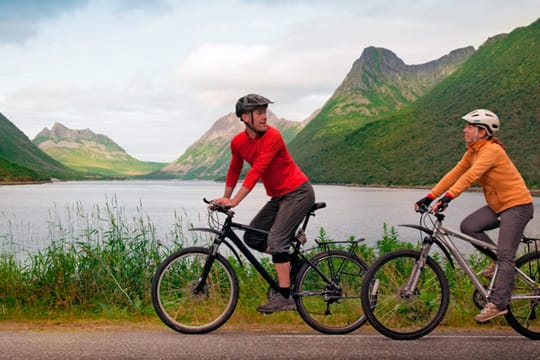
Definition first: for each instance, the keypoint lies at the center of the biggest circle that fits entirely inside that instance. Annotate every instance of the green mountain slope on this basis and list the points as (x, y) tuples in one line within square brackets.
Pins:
[(21, 160), (378, 84), (91, 153), (418, 144)]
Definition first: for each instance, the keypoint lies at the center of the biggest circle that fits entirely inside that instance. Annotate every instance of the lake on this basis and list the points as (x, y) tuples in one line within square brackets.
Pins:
[(29, 213)]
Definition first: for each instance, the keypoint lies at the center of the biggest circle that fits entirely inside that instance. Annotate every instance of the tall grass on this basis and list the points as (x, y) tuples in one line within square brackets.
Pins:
[(100, 263)]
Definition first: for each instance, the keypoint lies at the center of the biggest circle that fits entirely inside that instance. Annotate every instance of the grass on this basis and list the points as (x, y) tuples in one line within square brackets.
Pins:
[(99, 266)]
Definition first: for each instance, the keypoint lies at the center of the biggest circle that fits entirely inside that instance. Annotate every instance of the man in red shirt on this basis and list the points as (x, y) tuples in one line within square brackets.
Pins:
[(289, 188)]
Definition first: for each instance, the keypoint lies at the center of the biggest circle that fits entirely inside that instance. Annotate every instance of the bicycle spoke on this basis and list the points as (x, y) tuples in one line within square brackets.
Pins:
[(523, 314), (332, 307), (396, 311), (183, 302)]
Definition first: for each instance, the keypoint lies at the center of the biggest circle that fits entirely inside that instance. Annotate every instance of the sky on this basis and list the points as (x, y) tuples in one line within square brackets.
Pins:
[(154, 75)]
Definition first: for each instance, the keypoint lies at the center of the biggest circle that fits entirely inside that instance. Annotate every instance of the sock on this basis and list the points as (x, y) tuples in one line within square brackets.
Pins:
[(286, 292)]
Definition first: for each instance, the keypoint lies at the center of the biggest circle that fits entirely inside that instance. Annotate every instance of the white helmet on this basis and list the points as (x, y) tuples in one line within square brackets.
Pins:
[(484, 118)]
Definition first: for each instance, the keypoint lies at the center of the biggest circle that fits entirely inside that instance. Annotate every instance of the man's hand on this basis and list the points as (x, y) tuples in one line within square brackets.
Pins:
[(225, 202)]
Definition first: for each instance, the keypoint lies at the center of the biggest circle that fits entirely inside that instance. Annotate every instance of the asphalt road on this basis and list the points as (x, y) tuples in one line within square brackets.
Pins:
[(222, 344)]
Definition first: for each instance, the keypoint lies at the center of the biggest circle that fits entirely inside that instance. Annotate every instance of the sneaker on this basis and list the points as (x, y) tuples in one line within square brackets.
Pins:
[(489, 312), (277, 303), (489, 271)]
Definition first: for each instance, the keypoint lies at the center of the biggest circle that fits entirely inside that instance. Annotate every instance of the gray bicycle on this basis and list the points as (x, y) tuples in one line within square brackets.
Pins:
[(405, 293)]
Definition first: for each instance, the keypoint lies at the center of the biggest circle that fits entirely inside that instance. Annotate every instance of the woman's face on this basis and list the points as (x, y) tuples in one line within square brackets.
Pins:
[(472, 133)]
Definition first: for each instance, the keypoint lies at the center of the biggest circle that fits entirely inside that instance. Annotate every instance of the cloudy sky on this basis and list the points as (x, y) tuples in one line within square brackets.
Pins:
[(154, 75)]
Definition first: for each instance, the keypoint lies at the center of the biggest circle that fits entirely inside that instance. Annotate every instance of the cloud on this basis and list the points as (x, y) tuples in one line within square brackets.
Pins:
[(20, 20)]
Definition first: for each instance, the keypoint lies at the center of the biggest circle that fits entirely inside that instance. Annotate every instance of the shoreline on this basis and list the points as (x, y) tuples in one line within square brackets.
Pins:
[(534, 192)]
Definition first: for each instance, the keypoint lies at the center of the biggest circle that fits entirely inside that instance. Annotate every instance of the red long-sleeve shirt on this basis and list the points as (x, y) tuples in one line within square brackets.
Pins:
[(270, 161)]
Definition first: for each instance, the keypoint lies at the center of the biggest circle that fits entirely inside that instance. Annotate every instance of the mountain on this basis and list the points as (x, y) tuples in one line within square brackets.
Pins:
[(416, 143), (208, 157), (378, 84), (22, 161), (90, 153)]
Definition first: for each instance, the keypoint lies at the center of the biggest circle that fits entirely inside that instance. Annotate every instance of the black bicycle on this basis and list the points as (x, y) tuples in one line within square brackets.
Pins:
[(195, 290)]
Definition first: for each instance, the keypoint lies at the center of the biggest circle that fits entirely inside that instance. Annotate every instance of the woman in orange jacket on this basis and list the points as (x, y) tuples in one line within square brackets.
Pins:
[(509, 202)]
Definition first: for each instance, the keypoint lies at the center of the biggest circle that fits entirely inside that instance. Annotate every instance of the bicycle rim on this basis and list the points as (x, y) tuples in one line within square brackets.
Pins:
[(398, 315), (524, 315), (328, 308), (176, 300)]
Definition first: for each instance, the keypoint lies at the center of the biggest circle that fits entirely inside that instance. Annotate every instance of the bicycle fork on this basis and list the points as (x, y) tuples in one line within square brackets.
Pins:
[(207, 266), (418, 266)]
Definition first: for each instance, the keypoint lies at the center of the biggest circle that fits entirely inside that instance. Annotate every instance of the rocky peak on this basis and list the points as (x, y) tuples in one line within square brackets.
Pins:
[(379, 81), (61, 132)]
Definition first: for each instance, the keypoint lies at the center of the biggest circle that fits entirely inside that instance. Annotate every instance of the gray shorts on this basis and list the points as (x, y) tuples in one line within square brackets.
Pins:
[(281, 216)]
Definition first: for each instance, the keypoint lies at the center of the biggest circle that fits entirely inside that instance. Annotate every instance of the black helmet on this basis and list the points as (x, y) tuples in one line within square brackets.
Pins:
[(250, 102)]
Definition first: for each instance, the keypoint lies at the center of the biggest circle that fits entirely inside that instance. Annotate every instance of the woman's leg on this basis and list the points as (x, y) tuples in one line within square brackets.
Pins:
[(477, 223), (513, 222)]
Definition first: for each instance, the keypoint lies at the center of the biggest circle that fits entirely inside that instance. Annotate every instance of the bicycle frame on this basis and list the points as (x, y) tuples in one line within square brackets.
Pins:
[(227, 232), (442, 236)]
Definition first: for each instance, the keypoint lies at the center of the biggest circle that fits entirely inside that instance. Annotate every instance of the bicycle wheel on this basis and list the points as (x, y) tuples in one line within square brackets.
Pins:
[(524, 314), (392, 312), (182, 308), (331, 307)]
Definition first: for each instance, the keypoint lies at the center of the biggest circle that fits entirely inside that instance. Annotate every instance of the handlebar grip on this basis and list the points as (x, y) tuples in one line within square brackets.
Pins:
[(217, 207)]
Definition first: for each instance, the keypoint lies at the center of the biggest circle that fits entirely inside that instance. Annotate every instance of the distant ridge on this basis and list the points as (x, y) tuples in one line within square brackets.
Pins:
[(91, 153)]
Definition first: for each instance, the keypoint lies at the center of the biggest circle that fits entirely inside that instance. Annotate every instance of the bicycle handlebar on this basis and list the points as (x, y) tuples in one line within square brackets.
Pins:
[(430, 210), (219, 208)]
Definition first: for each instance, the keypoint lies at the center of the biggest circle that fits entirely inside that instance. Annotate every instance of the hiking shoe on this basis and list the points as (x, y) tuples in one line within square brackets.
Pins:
[(277, 303), (489, 271), (489, 312)]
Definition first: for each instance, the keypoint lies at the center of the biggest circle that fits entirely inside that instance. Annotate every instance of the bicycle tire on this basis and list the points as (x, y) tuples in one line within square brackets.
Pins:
[(395, 316), (524, 315), (185, 311), (329, 309)]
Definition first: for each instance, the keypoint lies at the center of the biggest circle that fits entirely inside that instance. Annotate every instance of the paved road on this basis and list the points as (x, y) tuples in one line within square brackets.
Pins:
[(166, 344)]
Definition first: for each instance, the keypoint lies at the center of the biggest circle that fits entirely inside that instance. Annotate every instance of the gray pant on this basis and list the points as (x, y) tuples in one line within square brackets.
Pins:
[(511, 224), (281, 216)]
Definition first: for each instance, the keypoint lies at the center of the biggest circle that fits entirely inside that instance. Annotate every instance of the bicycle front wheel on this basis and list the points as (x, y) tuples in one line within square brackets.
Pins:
[(185, 304), (524, 310), (331, 304), (395, 312)]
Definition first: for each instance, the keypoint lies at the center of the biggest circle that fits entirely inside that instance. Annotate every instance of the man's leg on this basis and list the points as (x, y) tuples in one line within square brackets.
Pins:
[(293, 207)]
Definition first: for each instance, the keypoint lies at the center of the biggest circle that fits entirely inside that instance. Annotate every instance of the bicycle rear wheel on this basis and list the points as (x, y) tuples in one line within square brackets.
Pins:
[(524, 314), (331, 307), (180, 305), (396, 314)]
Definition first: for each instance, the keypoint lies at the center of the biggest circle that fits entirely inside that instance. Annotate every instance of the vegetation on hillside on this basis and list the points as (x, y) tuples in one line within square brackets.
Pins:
[(22, 160), (416, 145)]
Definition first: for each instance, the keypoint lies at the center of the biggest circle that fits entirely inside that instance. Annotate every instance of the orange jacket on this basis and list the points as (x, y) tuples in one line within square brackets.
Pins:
[(486, 163)]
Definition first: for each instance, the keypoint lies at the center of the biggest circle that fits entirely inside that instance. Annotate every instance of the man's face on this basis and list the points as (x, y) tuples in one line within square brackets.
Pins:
[(259, 119)]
